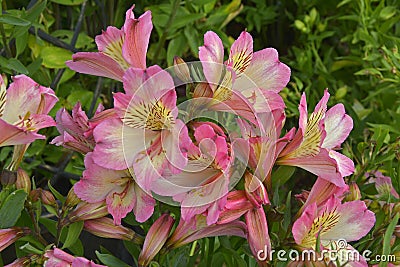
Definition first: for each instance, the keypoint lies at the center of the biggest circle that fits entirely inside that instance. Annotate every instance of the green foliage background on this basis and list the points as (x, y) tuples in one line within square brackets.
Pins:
[(350, 47)]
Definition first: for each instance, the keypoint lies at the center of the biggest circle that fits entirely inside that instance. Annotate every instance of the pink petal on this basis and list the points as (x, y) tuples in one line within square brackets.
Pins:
[(345, 165), (241, 52), (144, 207), (111, 36), (304, 223), (13, 135), (257, 227), (265, 71), (97, 182), (321, 165), (137, 40), (338, 125), (355, 221), (121, 202), (114, 147), (212, 56), (97, 64)]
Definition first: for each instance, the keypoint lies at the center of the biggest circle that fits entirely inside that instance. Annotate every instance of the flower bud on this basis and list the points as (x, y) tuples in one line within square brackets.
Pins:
[(8, 177), (45, 196), (48, 198), (354, 192), (23, 181), (202, 90), (10, 235), (72, 199), (87, 211), (255, 190), (182, 70), (105, 227), (155, 239)]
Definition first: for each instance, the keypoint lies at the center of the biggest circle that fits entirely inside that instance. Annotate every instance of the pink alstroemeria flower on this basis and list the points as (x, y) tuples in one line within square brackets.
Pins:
[(58, 258), (23, 110), (202, 186), (119, 49), (77, 130), (383, 184), (247, 82), (259, 145), (336, 224), (147, 135), (312, 145), (117, 188)]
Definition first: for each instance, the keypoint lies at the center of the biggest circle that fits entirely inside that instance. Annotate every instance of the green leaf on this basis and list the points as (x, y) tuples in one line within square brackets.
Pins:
[(175, 48), (55, 57), (10, 19), (282, 175), (387, 238), (287, 216), (11, 209), (83, 96), (21, 42), (74, 230), (110, 260), (15, 64), (68, 2), (55, 192), (387, 12)]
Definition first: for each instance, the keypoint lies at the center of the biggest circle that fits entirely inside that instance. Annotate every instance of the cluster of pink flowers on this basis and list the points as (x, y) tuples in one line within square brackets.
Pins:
[(142, 149)]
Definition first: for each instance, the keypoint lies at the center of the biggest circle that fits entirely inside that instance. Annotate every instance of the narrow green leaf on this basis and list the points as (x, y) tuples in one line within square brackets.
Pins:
[(74, 230), (11, 209), (55, 192), (12, 20), (387, 237), (287, 216), (110, 260), (15, 64), (68, 2)]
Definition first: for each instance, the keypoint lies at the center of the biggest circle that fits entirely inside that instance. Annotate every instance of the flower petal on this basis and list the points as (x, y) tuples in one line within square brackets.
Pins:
[(212, 56), (265, 71), (338, 125), (97, 64), (137, 38)]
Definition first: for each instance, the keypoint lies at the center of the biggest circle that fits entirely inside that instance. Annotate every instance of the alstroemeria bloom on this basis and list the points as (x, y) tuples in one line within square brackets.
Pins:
[(10, 235), (317, 136), (203, 184), (73, 130), (383, 184), (247, 82), (117, 188), (119, 49), (336, 224), (58, 258), (147, 135), (23, 111), (197, 228), (259, 145)]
